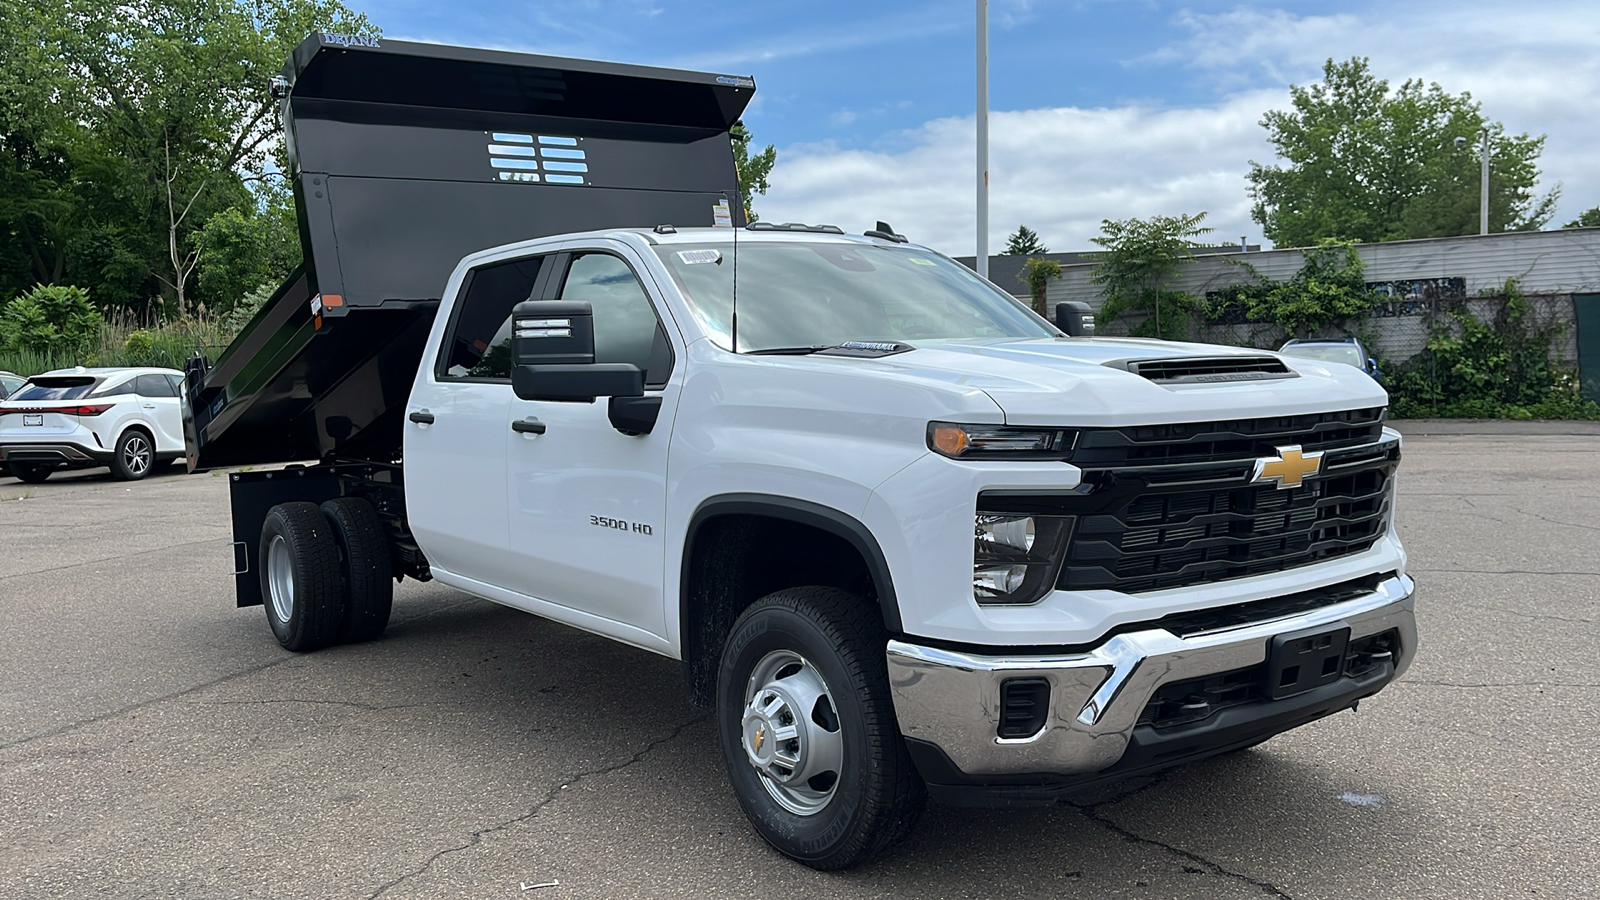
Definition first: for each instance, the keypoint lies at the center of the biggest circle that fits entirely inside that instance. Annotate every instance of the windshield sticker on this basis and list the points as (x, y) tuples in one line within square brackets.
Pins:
[(721, 216), (696, 257), (923, 261)]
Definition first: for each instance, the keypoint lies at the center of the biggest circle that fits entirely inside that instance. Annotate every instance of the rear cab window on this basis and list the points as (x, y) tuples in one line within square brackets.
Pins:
[(478, 343)]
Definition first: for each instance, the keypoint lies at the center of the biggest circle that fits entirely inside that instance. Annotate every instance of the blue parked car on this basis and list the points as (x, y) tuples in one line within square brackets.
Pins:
[(1340, 350)]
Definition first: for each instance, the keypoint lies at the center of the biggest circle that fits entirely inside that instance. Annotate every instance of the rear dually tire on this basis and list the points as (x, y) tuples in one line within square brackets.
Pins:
[(300, 586), (364, 568)]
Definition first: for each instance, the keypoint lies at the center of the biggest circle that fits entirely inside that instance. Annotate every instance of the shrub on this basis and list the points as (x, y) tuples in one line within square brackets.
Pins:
[(50, 319), (1498, 369), (137, 346)]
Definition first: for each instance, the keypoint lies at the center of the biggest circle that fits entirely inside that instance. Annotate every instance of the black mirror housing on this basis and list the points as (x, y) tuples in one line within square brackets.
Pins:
[(552, 332), (579, 382), (1075, 318)]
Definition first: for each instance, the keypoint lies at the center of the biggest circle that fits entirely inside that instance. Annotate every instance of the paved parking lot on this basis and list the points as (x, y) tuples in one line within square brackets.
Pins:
[(156, 742)]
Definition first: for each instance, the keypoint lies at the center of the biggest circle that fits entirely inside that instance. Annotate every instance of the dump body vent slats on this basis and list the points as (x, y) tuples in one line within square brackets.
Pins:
[(1210, 369)]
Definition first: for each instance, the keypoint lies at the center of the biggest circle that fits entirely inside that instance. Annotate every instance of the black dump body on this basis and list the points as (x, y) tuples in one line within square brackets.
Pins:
[(406, 157)]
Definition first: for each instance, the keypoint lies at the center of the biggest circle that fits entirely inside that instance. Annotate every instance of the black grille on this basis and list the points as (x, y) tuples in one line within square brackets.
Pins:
[(1238, 439), (1198, 699), (1155, 536), (1218, 369), (1024, 706)]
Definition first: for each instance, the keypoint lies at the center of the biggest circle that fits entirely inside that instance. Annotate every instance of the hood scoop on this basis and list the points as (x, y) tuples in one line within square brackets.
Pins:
[(1206, 369)]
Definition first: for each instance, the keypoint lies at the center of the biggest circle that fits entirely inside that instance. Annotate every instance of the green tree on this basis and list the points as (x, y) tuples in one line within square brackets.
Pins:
[(1362, 162), (753, 169), (1590, 218), (1037, 273), (1140, 259), (145, 119), (244, 247), (36, 198), (1024, 242), (1329, 290)]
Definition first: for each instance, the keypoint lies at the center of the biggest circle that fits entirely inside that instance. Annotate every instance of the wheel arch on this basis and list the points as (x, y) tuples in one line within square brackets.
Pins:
[(707, 607)]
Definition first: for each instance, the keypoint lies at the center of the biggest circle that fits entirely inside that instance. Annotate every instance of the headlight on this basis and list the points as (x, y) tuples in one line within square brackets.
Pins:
[(1015, 557), (999, 441)]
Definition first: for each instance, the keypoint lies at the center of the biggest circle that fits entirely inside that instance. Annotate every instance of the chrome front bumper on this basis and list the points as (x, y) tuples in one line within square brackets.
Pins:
[(952, 700)]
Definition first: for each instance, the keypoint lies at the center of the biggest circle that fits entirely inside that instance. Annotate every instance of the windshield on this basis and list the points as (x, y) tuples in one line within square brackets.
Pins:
[(1339, 353), (794, 295), (68, 388)]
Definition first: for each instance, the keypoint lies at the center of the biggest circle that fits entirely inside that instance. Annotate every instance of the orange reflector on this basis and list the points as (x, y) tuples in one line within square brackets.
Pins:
[(332, 300), (950, 439)]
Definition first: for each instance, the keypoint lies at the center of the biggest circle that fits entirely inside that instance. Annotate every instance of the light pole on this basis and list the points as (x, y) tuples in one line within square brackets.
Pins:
[(983, 138), (1483, 190)]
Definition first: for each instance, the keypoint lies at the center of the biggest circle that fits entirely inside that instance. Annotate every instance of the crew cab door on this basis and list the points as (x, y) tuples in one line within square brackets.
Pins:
[(587, 502), (455, 428)]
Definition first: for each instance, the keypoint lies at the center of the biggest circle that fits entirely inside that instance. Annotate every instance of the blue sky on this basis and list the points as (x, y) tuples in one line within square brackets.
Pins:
[(1101, 109)]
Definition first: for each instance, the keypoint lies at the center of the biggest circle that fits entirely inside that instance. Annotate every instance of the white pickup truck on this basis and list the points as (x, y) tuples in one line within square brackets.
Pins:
[(908, 538)]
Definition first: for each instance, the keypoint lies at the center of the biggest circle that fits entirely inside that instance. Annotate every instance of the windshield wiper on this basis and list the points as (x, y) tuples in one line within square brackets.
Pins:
[(790, 351), (846, 348)]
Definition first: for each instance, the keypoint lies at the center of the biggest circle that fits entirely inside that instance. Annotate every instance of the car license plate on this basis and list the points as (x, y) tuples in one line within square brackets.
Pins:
[(33, 420), (1304, 660)]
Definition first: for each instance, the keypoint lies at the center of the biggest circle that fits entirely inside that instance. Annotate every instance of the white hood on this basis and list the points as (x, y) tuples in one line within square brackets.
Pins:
[(1056, 381)]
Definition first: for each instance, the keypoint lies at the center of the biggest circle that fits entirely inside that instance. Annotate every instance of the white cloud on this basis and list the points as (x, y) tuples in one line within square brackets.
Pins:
[(1062, 170)]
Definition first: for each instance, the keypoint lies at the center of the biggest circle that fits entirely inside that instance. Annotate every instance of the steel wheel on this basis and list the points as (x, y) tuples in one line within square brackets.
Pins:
[(280, 578), (136, 455), (791, 733)]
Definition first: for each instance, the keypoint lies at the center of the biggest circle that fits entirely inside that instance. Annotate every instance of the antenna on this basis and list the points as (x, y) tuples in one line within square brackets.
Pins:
[(733, 318)]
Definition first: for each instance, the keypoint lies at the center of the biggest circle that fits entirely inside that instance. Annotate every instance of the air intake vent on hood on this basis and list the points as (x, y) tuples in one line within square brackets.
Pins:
[(1210, 369)]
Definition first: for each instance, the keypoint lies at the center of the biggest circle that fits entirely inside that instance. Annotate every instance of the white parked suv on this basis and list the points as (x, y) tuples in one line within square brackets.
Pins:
[(128, 419)]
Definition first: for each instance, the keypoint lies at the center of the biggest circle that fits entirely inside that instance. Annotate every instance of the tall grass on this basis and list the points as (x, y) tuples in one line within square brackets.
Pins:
[(125, 341)]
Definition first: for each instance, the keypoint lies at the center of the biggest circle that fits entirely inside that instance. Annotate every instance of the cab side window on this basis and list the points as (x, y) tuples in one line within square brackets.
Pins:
[(478, 343), (626, 329)]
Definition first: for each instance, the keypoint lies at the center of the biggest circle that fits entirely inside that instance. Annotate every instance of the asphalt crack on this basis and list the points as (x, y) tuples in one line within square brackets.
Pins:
[(1091, 811), (143, 704), (1499, 572), (561, 784), (1544, 518), (351, 704), (1495, 684), (438, 609)]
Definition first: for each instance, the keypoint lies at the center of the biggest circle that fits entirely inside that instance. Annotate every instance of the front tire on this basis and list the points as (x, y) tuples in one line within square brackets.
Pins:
[(363, 568), (808, 730), (32, 473), (300, 577), (134, 457)]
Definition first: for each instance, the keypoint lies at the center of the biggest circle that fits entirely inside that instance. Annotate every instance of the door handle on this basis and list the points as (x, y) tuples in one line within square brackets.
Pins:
[(421, 417), (530, 425)]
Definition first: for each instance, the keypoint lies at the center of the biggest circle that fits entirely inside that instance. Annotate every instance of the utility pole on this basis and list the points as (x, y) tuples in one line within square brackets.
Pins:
[(983, 138), (1483, 191)]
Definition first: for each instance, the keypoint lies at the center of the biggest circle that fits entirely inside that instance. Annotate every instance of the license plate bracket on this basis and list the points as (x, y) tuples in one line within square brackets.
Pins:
[(1301, 661), (33, 420)]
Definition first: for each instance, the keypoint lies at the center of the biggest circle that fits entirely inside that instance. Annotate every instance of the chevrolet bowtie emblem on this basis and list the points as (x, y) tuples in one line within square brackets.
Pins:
[(1288, 469), (761, 736)]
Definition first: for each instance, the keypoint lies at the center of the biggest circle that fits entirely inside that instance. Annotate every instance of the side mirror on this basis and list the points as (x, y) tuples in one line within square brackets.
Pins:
[(552, 347), (1075, 318)]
